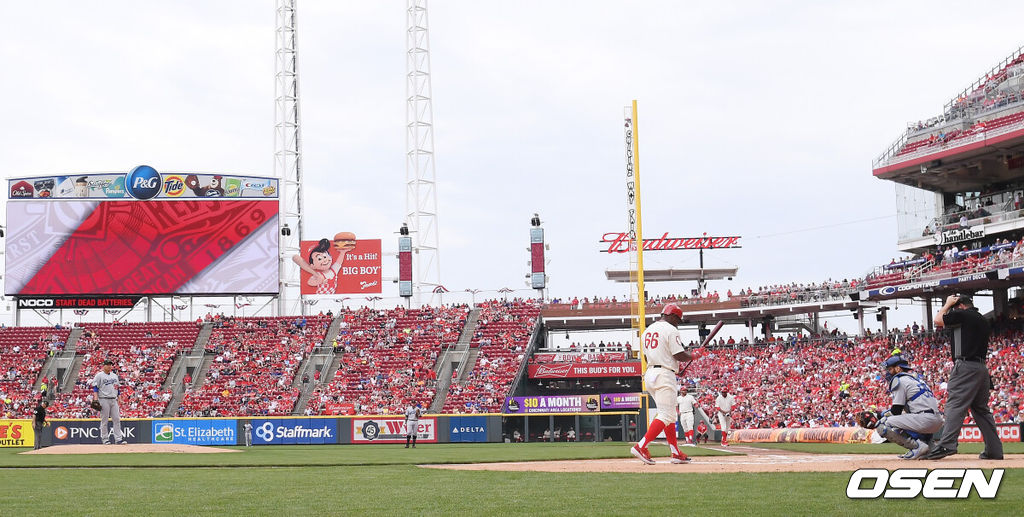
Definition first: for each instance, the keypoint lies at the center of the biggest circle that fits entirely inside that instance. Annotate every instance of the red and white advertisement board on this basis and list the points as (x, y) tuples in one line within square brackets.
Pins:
[(1007, 433), (391, 430)]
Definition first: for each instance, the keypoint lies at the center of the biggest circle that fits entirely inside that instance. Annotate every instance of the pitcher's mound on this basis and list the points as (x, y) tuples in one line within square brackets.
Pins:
[(128, 449)]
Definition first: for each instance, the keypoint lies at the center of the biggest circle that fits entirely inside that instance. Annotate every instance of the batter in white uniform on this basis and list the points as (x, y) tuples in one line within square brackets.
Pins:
[(724, 404), (663, 349), (686, 404)]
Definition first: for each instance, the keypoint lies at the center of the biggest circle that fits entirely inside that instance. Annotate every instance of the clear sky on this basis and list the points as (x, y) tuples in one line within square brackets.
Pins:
[(757, 119)]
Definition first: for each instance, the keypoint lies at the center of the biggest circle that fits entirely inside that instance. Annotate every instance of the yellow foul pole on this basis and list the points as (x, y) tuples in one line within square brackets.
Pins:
[(641, 299)]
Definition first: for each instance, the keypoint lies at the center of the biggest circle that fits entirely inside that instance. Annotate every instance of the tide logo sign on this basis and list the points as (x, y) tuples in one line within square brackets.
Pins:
[(143, 182), (174, 186), (908, 484)]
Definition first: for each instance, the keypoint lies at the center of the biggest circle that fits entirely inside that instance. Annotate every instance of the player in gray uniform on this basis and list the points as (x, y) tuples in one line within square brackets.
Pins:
[(105, 385), (247, 428), (914, 416), (412, 421)]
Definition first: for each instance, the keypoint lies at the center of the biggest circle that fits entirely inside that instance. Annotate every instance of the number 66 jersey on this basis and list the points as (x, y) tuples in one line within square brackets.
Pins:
[(661, 342)]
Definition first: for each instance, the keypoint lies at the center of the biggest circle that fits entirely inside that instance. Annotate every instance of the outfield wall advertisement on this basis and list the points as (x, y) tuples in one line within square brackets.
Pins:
[(64, 432), (1007, 433), (391, 430), (287, 431), (195, 432), (17, 433)]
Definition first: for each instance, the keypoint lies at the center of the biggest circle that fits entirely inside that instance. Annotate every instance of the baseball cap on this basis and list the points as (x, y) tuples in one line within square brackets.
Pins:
[(672, 309), (965, 299), (897, 360), (108, 361)]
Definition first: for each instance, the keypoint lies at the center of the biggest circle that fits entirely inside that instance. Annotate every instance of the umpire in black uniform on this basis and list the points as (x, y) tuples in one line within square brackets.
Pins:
[(969, 381)]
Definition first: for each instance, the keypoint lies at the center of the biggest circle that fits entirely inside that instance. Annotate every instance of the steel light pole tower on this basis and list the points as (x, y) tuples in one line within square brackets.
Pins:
[(288, 156), (420, 185)]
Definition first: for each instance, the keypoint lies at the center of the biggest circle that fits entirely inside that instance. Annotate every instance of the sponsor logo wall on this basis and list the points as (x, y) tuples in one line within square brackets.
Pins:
[(467, 429), (143, 183), (17, 433), (340, 265), (583, 370), (195, 432), (616, 401), (65, 432), (281, 431), (392, 430), (1007, 433)]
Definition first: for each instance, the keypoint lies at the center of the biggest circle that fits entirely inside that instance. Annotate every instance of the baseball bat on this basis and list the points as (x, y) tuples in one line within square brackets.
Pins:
[(704, 343)]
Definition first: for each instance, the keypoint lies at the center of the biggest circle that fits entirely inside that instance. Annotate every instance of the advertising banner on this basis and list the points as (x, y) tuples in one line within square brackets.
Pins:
[(340, 265), (340, 408), (467, 429), (17, 433), (294, 430), (125, 247), (891, 290), (1007, 433), (78, 302), (195, 432), (597, 357), (583, 370), (88, 431), (391, 430), (620, 401), (804, 435), (552, 404), (166, 185)]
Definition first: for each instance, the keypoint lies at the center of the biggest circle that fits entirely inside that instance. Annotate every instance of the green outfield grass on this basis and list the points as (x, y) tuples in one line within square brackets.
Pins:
[(341, 455), (883, 448), (385, 480)]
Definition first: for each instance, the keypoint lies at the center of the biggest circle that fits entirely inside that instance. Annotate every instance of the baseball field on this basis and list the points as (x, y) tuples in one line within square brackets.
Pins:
[(384, 479)]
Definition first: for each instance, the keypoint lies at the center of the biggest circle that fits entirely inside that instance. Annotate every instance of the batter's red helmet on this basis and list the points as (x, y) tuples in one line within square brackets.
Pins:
[(672, 309)]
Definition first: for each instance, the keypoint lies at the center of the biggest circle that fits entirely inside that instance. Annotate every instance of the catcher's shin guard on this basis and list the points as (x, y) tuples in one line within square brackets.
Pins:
[(895, 435)]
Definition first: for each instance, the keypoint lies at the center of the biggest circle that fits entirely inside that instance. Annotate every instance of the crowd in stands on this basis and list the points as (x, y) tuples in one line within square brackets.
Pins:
[(502, 333), (387, 358), (824, 382), (142, 353), (597, 302), (795, 292), (948, 261), (592, 347), (993, 92), (254, 366), (23, 352)]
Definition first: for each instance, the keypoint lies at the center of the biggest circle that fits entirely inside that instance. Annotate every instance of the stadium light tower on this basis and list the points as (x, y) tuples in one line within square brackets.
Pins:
[(288, 156), (420, 185)]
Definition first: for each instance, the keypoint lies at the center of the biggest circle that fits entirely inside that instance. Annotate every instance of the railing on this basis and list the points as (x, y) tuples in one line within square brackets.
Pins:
[(949, 106), (890, 158), (1005, 211), (809, 296)]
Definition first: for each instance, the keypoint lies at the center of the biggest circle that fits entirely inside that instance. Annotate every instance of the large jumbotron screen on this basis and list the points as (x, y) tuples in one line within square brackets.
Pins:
[(198, 246)]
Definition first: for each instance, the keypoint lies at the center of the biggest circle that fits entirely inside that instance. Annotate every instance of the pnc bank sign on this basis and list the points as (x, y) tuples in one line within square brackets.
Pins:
[(621, 243)]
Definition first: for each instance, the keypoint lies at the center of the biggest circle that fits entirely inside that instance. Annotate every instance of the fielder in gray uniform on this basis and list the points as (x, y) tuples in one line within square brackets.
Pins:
[(105, 385), (412, 421), (248, 433), (914, 416)]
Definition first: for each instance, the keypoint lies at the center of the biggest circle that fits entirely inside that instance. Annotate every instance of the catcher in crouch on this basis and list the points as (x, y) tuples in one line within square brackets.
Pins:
[(915, 411)]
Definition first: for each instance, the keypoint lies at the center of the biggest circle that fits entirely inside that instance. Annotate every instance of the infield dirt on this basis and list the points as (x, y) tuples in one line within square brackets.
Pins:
[(754, 460)]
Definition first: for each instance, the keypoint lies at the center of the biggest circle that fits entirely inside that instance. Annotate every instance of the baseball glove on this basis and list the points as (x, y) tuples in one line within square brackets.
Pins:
[(867, 419), (95, 405)]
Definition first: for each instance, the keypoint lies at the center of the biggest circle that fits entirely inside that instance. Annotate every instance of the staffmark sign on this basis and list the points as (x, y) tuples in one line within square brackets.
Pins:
[(910, 483)]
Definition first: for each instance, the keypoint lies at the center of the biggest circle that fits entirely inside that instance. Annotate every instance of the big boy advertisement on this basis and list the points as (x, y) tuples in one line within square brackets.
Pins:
[(340, 264)]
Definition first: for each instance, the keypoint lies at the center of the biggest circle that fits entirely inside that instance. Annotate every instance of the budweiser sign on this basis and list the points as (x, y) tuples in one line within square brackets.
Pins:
[(621, 243), (582, 370)]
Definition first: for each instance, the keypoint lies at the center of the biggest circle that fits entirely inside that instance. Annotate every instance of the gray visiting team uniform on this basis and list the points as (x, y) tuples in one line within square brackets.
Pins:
[(920, 413), (412, 421), (108, 384), (248, 434)]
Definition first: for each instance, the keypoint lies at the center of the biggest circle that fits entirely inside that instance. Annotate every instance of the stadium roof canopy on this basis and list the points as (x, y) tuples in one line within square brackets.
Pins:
[(671, 274)]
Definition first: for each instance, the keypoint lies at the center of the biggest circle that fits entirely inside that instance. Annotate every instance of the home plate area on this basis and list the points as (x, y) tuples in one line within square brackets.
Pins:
[(753, 459)]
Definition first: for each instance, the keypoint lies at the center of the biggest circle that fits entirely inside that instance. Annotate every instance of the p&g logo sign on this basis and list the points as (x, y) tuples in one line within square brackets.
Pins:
[(143, 182)]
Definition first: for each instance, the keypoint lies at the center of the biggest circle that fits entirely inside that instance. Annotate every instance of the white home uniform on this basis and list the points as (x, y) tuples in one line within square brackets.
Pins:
[(724, 403), (660, 343), (686, 404)]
